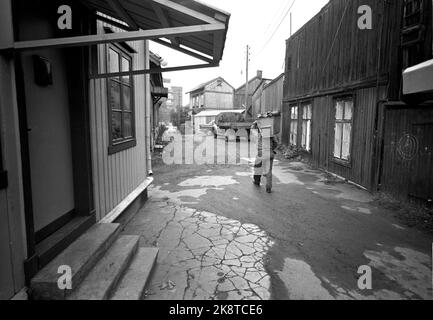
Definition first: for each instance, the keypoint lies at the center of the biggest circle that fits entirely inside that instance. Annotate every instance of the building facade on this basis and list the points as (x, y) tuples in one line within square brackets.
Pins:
[(343, 103), (75, 119), (216, 94), (239, 95)]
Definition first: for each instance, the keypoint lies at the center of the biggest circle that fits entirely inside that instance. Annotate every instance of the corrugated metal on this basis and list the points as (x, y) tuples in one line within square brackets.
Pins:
[(115, 176)]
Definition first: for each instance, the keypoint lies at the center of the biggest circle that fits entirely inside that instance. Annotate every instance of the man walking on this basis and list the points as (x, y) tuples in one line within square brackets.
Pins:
[(266, 145)]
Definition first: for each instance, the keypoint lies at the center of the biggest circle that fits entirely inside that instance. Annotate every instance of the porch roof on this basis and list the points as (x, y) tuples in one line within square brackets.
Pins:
[(188, 26), (156, 14)]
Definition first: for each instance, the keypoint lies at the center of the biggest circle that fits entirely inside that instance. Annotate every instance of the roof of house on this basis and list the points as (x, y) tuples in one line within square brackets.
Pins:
[(252, 90), (214, 113), (274, 81), (204, 84)]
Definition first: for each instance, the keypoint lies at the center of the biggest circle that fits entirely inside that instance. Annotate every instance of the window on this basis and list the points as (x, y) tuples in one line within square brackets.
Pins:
[(343, 129), (294, 125), (121, 102), (307, 114)]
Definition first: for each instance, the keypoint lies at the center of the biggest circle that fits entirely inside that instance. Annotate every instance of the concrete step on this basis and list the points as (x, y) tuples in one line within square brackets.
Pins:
[(50, 247), (133, 283), (99, 283), (81, 256)]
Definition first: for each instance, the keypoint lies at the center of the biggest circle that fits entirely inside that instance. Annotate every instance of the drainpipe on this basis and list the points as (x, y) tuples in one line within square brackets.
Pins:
[(148, 105)]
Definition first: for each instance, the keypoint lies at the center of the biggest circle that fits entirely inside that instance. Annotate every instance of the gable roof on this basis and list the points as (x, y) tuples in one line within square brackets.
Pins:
[(203, 85), (252, 90)]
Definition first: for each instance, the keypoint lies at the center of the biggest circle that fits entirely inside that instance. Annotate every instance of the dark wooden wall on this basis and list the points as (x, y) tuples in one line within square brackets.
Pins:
[(331, 52), (409, 173), (360, 169)]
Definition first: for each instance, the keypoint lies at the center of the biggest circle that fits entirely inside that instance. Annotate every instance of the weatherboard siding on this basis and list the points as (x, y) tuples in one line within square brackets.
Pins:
[(116, 176)]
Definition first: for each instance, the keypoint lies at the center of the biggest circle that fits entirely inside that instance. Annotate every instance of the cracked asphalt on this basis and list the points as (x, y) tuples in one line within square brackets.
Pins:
[(222, 238)]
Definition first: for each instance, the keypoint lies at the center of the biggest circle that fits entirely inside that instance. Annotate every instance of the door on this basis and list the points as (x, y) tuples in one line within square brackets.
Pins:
[(421, 177), (49, 140)]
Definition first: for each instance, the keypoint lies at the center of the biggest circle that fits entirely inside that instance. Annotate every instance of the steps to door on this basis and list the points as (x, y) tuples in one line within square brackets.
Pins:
[(100, 282), (103, 266), (133, 283)]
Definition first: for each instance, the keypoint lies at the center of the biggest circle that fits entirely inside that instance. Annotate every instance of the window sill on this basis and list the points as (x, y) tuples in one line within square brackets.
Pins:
[(122, 146), (3, 180), (343, 163)]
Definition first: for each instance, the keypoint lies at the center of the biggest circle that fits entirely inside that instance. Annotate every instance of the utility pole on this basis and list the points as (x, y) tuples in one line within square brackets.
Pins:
[(246, 83)]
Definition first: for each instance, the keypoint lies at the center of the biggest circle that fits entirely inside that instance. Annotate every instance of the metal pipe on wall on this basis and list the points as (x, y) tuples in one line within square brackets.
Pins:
[(148, 106)]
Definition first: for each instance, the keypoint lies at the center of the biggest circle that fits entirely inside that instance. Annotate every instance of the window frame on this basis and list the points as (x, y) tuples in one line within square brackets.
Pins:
[(345, 98), (303, 121), (119, 145), (294, 133)]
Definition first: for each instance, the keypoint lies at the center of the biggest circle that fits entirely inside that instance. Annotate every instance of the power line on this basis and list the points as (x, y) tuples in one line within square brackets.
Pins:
[(279, 25), (278, 14)]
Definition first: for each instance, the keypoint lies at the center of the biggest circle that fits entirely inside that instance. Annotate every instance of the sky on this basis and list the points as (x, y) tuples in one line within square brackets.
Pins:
[(253, 23)]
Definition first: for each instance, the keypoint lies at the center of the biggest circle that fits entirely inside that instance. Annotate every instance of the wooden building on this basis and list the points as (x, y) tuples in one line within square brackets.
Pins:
[(75, 115), (268, 96), (257, 102), (343, 102), (239, 94), (216, 94)]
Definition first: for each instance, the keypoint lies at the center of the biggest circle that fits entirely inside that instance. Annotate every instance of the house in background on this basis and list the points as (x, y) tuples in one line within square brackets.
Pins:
[(239, 95), (75, 123), (216, 94), (343, 102), (272, 95), (256, 101)]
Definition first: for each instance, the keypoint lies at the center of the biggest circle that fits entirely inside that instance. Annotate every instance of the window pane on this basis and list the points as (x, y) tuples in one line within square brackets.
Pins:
[(115, 95), (113, 61), (126, 92), (125, 67), (339, 110), (310, 112), (345, 153), (337, 140), (127, 124), (308, 142), (294, 132), (116, 125), (294, 112), (348, 110)]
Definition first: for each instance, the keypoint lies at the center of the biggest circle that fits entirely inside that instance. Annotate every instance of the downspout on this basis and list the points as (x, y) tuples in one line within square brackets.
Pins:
[(148, 103)]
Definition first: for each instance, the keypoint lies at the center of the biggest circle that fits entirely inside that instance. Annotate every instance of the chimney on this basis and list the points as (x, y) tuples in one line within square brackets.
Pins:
[(260, 74)]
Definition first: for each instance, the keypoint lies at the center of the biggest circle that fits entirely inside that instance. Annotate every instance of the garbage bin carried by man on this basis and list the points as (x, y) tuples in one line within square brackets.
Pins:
[(266, 145)]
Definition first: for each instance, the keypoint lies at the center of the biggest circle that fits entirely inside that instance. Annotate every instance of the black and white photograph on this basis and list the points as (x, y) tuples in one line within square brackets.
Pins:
[(216, 155)]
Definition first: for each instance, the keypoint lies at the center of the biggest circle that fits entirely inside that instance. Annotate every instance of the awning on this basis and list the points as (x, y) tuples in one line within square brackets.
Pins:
[(188, 26), (418, 79)]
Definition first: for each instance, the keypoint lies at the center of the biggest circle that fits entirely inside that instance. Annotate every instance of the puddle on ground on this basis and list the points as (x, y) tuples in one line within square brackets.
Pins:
[(301, 282), (357, 209), (209, 181), (286, 177), (413, 272)]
